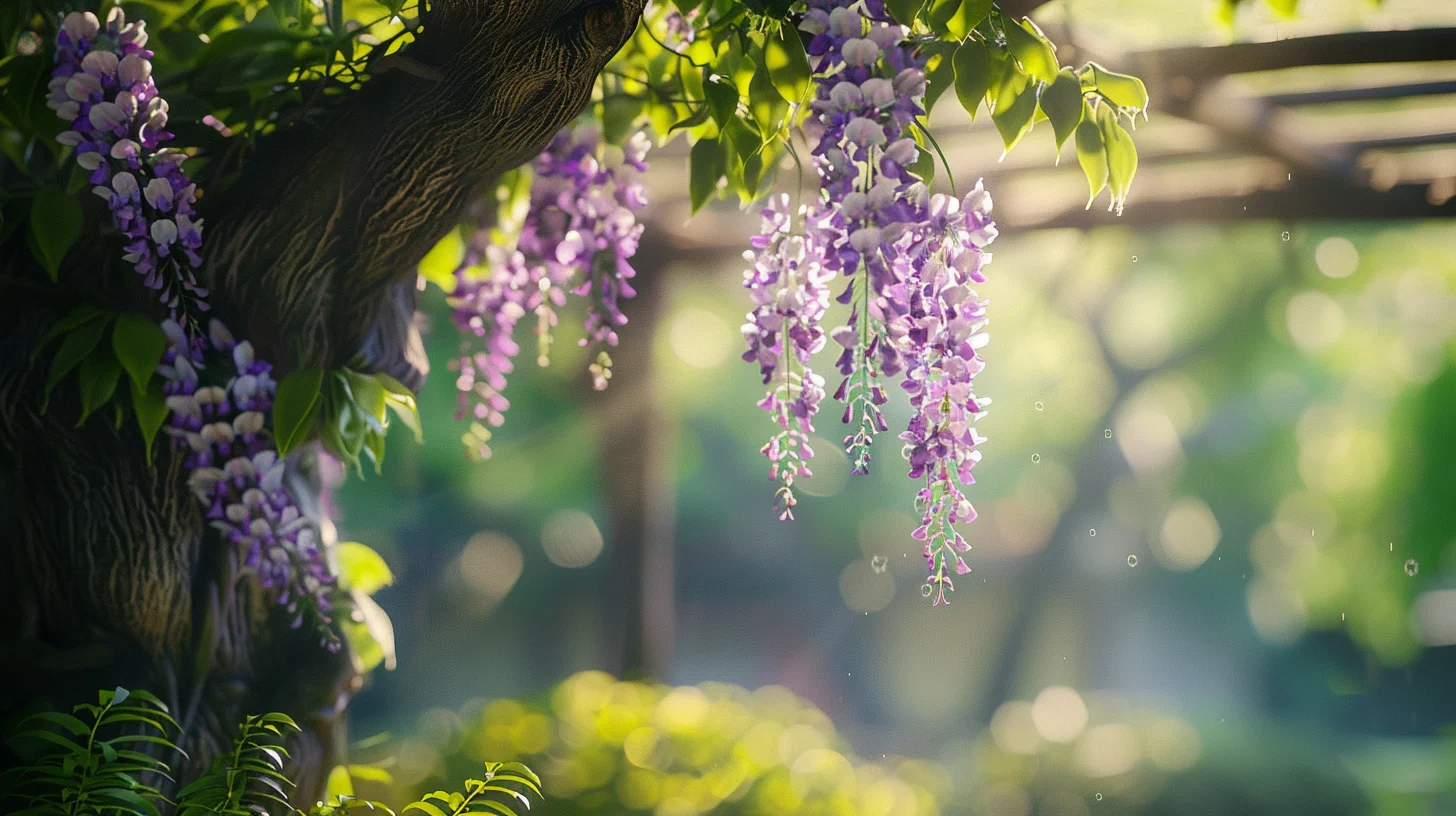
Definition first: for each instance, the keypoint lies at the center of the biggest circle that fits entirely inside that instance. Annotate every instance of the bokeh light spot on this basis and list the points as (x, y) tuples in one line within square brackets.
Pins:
[(1059, 714), (571, 539)]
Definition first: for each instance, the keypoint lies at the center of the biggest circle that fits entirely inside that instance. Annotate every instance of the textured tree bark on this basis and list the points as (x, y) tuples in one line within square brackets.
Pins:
[(108, 575)]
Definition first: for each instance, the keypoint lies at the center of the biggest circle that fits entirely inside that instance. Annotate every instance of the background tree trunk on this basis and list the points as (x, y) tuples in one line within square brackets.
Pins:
[(108, 575)]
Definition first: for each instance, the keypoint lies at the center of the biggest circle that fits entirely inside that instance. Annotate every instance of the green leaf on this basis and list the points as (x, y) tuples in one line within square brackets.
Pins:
[(904, 11), (402, 401), (765, 103), (939, 14), (703, 171), (371, 638), (129, 801), (293, 408), (1122, 159), (55, 224), (967, 17), (361, 568), (150, 406), (424, 807), (1122, 90), (100, 373), (338, 785), (1062, 103), (972, 75), (287, 11), (439, 264), (619, 116), (139, 344), (1091, 154), (722, 100), (1015, 104), (788, 65), (369, 395), (1032, 49), (82, 314), (939, 72), (77, 345)]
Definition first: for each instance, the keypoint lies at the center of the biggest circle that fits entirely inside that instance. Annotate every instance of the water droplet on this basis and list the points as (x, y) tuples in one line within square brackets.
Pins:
[(1132, 560), (925, 590), (1134, 259), (1411, 568), (1035, 457), (1039, 406), (879, 564), (1099, 797), (1092, 532), (1284, 235), (1392, 546), (1342, 616)]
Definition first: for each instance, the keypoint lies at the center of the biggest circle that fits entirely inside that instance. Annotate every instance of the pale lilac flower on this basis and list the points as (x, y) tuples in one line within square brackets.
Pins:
[(578, 236), (789, 284), (102, 85)]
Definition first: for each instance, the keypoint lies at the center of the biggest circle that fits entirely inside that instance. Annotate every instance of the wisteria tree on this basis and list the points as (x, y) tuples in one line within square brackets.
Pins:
[(212, 226)]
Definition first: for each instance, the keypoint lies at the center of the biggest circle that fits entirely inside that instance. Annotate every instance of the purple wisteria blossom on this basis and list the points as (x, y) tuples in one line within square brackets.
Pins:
[(102, 85), (578, 236), (869, 83), (219, 395), (910, 258), (789, 284), (938, 338)]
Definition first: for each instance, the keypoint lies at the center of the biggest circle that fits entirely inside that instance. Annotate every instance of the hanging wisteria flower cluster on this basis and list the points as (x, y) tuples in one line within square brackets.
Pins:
[(218, 393), (235, 470), (102, 85), (789, 284), (578, 236), (909, 257)]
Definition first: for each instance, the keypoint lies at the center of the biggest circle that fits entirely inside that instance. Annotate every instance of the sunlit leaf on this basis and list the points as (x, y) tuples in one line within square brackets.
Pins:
[(361, 568), (1062, 103), (1122, 90), (1091, 154), (1015, 104), (1122, 159), (904, 11), (1032, 49), (972, 75), (788, 65), (439, 264), (722, 100), (703, 171), (967, 17)]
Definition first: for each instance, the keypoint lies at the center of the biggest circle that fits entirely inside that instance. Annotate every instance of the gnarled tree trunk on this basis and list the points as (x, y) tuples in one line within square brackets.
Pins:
[(108, 574)]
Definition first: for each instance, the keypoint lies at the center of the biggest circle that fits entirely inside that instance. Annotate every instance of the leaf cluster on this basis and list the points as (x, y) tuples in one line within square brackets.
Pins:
[(99, 759), (102, 760), (740, 89), (100, 346), (349, 410)]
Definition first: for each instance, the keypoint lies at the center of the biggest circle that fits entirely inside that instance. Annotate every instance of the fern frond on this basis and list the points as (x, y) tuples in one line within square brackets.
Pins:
[(505, 785), (82, 764), (249, 780)]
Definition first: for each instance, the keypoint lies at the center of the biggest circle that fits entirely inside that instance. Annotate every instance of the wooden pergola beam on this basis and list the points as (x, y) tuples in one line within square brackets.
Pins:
[(1201, 64), (1313, 200)]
